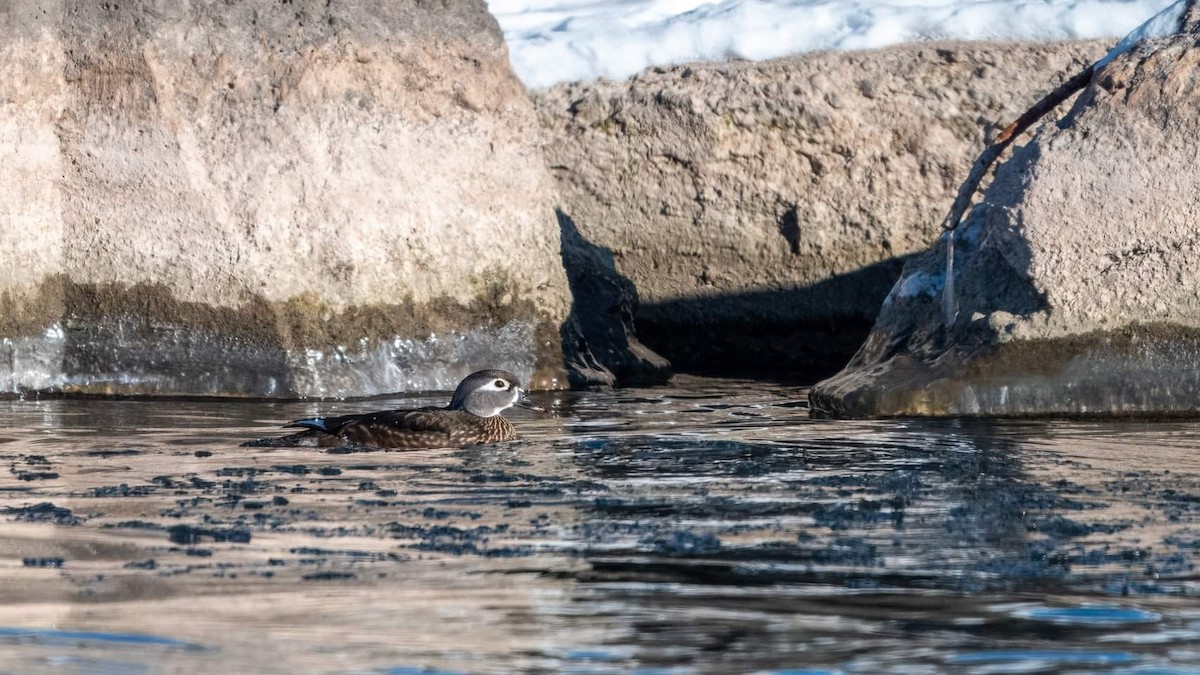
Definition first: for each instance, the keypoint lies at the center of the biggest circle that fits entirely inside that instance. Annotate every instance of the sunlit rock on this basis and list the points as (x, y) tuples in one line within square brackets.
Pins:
[(763, 210), (1076, 286), (269, 199)]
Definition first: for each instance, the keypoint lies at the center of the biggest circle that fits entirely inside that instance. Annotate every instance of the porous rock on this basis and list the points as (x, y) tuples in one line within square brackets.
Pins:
[(264, 198), (763, 210), (1076, 286)]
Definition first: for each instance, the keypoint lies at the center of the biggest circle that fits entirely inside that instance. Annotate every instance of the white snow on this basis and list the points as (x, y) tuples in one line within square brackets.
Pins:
[(552, 41), (919, 283), (1163, 24)]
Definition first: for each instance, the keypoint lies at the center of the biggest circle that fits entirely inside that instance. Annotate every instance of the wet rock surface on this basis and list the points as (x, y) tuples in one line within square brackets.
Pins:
[(708, 525), (599, 338)]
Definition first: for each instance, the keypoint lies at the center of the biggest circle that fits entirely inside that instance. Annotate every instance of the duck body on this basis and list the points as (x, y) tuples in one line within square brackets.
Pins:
[(416, 428), (472, 417)]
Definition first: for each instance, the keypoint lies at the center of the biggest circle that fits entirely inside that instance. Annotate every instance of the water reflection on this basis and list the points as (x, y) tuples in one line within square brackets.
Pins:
[(709, 526)]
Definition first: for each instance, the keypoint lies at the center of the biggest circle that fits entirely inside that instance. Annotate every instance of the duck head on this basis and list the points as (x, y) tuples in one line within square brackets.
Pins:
[(489, 392)]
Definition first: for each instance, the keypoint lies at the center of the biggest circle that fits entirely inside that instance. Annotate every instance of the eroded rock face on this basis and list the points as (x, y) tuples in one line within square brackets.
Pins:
[(263, 198), (763, 210), (1076, 283)]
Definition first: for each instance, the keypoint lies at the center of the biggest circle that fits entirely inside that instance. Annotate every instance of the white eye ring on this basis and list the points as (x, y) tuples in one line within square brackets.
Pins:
[(500, 384)]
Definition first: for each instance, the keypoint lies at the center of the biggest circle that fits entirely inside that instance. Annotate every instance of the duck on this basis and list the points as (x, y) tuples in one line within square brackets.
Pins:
[(471, 418)]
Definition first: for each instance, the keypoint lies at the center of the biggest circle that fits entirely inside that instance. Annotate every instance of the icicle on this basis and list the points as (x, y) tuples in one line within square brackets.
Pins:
[(949, 311)]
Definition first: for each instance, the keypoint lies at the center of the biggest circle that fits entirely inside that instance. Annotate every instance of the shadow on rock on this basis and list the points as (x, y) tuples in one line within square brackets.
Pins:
[(600, 345), (807, 332)]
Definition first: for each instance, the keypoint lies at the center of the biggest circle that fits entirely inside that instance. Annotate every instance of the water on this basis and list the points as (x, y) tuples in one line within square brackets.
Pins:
[(707, 527)]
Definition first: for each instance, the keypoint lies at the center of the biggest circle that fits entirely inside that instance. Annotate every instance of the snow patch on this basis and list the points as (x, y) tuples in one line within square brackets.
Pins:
[(1161, 25), (921, 283), (553, 41)]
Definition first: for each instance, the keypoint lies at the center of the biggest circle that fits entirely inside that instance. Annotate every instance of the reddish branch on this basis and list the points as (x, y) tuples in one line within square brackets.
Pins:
[(1050, 101), (963, 200), (1189, 23)]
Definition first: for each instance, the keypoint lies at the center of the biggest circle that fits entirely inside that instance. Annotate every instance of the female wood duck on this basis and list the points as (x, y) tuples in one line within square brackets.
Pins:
[(473, 416)]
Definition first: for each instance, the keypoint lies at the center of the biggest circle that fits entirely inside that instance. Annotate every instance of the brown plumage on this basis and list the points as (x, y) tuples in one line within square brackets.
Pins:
[(420, 428), (472, 417)]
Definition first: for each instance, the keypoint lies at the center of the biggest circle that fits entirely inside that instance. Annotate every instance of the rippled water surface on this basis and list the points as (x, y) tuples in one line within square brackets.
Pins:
[(707, 527)]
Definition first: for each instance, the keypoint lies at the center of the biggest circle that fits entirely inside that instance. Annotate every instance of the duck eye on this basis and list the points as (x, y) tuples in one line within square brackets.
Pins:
[(500, 384)]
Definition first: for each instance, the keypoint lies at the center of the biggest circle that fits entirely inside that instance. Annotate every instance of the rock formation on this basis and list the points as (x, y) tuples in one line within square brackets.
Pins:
[(763, 210), (270, 199), (312, 199), (1075, 284)]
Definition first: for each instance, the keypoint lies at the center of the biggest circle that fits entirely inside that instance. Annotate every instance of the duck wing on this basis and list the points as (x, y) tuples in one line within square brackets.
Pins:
[(417, 428)]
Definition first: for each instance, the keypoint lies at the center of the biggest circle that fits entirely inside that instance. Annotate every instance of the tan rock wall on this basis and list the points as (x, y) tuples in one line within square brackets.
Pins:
[(1076, 285), (1101, 215), (332, 160), (763, 210)]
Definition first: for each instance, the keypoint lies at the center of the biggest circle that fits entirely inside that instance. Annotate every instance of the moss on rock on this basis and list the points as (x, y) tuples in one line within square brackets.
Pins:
[(140, 339)]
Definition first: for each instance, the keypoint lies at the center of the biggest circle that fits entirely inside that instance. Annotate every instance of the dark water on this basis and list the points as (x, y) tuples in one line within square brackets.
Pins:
[(708, 527)]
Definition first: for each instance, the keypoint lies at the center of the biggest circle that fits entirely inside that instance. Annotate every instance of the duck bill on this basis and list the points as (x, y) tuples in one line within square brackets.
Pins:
[(523, 401)]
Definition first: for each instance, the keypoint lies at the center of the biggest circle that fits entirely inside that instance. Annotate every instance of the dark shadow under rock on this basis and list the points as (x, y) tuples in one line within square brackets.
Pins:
[(600, 346), (771, 333)]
